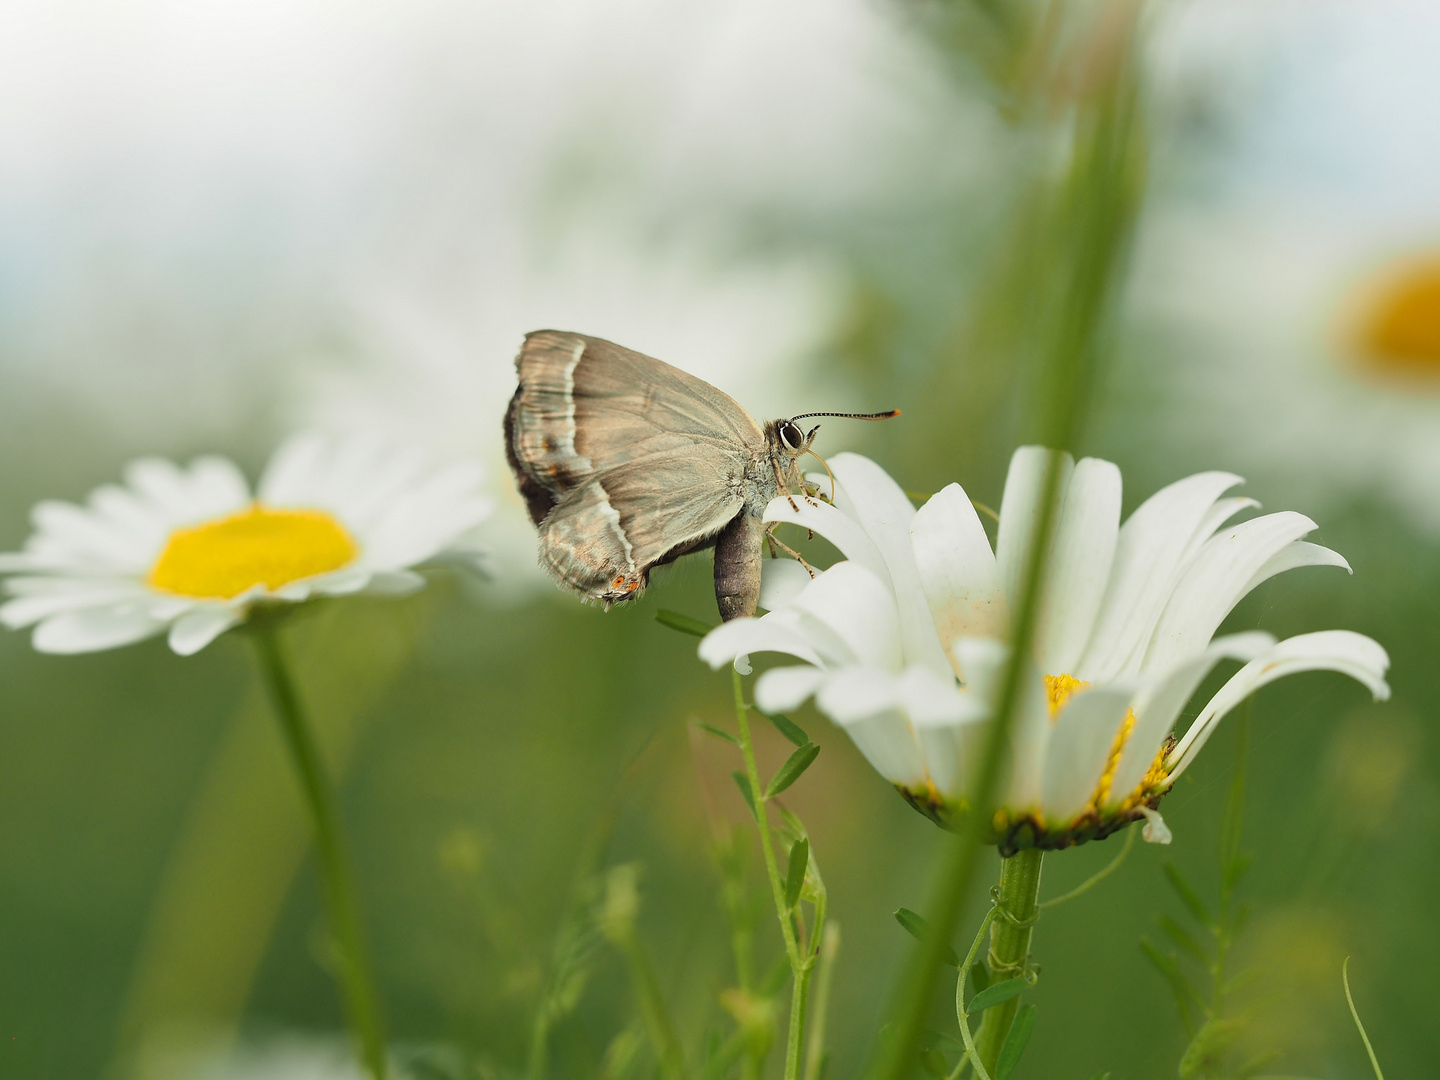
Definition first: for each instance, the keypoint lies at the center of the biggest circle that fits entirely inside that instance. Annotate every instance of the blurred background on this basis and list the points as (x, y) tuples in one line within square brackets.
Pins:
[(222, 223)]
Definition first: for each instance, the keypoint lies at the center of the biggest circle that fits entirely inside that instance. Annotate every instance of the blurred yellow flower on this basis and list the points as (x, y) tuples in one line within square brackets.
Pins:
[(191, 550), (1400, 319)]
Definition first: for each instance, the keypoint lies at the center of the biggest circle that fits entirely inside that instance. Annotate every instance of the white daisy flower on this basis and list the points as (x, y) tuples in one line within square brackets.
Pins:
[(903, 643), (191, 550)]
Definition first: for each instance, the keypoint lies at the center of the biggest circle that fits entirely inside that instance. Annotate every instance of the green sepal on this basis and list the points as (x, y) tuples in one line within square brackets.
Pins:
[(1015, 1041), (997, 994), (795, 874), (787, 727), (795, 765), (719, 733), (743, 783), (921, 931), (1188, 895), (683, 623)]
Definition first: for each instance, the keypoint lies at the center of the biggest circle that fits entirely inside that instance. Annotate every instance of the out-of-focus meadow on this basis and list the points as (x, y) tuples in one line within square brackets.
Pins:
[(223, 223)]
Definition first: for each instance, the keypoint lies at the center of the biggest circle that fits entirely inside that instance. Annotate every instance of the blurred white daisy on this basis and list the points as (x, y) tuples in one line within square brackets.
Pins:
[(904, 641), (191, 550)]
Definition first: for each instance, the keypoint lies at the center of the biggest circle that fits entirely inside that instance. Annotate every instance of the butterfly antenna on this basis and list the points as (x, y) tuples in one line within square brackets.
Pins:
[(891, 414), (828, 473)]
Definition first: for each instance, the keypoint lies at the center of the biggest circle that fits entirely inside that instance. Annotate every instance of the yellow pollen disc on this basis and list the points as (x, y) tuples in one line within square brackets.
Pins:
[(1401, 331), (1058, 689), (257, 546)]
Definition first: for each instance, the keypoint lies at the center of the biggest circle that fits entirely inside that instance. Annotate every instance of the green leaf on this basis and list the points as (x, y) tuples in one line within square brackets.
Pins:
[(979, 976), (1188, 895), (787, 727), (1015, 1042), (1181, 937), (922, 931), (1185, 996), (997, 994), (794, 766), (938, 1040), (934, 1063), (684, 623), (795, 875), (719, 733), (743, 783)]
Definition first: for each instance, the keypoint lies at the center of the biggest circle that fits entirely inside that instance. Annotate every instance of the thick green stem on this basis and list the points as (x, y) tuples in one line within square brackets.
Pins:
[(1016, 908), (800, 966), (362, 1005)]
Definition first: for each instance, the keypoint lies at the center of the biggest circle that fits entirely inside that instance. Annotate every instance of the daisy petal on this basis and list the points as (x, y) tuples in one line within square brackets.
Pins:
[(1294, 555), (94, 629), (395, 583), (849, 615), (1020, 512), (1344, 651), (866, 703), (1148, 552), (957, 570), (193, 631), (1078, 749), (836, 526), (730, 642), (1154, 831), (1079, 565), (1158, 706), (781, 580), (1215, 582), (785, 688)]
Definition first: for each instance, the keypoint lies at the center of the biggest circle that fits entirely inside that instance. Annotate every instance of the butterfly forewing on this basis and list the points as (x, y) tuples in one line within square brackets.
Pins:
[(625, 461)]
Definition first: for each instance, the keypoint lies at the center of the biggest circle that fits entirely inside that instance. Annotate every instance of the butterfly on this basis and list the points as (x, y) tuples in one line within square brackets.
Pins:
[(627, 463)]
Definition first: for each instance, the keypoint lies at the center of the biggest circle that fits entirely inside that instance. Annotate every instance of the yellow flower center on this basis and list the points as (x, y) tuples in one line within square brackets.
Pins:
[(1401, 331), (1058, 690), (220, 559)]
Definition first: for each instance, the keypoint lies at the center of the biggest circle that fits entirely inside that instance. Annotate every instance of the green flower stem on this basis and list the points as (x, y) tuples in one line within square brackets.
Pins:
[(1016, 908), (971, 1054), (815, 1052), (800, 965), (362, 1005)]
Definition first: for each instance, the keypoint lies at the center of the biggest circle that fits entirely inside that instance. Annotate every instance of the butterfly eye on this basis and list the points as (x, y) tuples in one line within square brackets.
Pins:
[(791, 435)]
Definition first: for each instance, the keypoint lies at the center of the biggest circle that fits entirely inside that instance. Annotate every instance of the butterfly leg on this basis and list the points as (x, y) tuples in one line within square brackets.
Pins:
[(770, 536)]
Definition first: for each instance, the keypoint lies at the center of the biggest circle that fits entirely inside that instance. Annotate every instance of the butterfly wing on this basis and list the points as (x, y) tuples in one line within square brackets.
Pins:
[(625, 462)]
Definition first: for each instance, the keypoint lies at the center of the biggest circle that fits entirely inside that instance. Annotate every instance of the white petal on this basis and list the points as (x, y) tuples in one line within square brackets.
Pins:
[(395, 583), (1148, 552), (1215, 582), (957, 569), (951, 753), (849, 616), (1293, 555), (1349, 653), (738, 638), (834, 525), (980, 661), (214, 487), (1030, 734), (289, 478), (1020, 512), (95, 629), (41, 597), (781, 580), (867, 493), (785, 688), (1217, 515), (1154, 831), (1078, 748), (884, 736), (337, 583), (1159, 704), (1079, 565), (192, 632)]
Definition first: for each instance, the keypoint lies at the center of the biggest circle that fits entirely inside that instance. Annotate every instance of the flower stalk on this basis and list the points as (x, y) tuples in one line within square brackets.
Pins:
[(1017, 907), (352, 963), (802, 960)]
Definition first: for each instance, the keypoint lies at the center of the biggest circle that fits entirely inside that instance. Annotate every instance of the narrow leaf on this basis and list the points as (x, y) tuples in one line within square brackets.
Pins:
[(997, 994), (684, 623), (794, 766), (743, 783), (787, 727), (1015, 1042), (1188, 895), (1185, 996), (921, 931), (979, 976), (719, 733), (1182, 939), (795, 875)]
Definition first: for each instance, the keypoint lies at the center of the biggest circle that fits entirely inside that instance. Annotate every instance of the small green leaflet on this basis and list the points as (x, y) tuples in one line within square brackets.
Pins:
[(719, 733), (921, 931), (1015, 1042), (684, 623), (743, 783), (1187, 894), (787, 727), (995, 995), (795, 875), (794, 766), (979, 976)]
